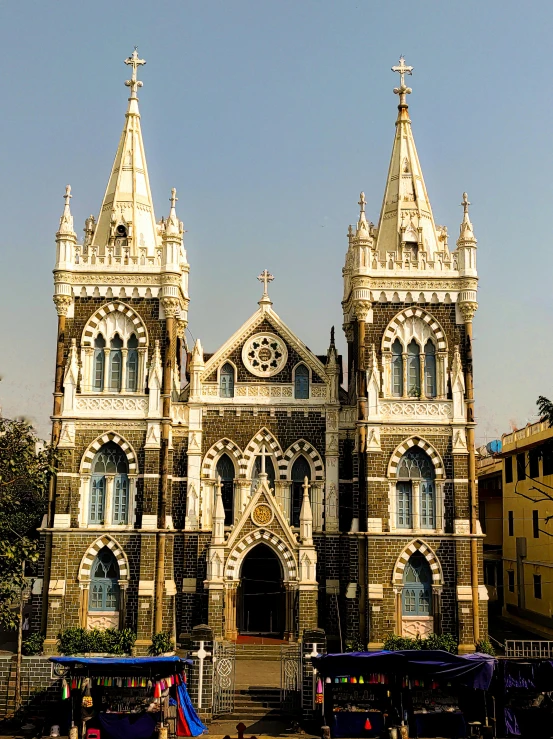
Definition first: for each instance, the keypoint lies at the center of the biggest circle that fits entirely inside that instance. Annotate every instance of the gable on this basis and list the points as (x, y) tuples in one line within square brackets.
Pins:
[(286, 352)]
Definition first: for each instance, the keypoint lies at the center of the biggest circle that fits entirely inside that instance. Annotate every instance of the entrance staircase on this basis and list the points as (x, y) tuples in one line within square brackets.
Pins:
[(257, 703), (257, 693)]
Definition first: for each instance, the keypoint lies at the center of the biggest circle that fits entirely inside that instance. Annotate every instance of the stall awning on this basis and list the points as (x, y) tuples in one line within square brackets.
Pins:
[(472, 670), (125, 665)]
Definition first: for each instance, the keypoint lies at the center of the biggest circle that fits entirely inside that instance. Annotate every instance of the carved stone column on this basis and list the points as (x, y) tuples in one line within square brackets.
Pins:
[(416, 503), (108, 500)]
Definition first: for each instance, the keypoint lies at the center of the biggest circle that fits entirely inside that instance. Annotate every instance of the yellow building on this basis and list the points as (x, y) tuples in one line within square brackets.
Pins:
[(489, 471), (527, 532)]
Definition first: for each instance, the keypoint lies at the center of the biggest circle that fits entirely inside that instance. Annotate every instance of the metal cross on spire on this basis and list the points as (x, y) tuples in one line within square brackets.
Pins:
[(134, 62), (265, 277), (402, 69)]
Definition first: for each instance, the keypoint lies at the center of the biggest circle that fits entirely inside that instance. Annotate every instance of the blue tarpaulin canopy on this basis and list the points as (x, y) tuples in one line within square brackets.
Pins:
[(166, 665), (472, 670)]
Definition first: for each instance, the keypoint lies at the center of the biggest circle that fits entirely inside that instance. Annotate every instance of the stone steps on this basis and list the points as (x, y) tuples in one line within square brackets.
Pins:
[(266, 652), (256, 703)]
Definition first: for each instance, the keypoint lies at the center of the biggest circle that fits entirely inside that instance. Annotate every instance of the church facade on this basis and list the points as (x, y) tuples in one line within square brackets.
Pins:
[(248, 489)]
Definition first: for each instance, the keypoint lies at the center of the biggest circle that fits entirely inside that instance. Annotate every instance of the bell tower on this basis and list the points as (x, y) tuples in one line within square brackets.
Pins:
[(408, 306)]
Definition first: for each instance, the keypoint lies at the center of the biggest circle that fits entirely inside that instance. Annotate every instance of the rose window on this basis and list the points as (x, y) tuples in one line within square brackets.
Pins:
[(264, 355)]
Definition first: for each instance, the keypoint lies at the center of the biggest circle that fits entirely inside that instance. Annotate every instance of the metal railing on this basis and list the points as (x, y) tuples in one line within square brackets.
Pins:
[(528, 648)]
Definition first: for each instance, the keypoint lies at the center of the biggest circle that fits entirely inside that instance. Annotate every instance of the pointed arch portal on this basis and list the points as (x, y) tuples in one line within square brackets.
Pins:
[(261, 595)]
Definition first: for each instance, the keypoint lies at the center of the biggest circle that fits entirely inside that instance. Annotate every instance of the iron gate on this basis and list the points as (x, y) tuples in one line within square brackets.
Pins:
[(224, 662), (290, 678)]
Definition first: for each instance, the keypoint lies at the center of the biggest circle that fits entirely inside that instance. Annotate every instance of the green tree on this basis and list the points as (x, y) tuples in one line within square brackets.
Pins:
[(25, 466)]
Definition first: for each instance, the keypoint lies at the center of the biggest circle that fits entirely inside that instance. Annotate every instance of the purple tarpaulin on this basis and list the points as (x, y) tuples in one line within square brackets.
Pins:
[(472, 670), (141, 726)]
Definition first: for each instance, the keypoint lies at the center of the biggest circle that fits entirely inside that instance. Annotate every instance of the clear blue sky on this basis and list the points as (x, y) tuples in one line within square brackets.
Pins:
[(269, 118)]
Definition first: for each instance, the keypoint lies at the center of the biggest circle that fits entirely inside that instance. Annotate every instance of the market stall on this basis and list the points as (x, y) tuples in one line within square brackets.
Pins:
[(433, 691), (525, 693), (126, 697)]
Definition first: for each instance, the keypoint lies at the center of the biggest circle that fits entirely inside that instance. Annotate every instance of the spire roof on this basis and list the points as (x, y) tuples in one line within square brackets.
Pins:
[(127, 201), (66, 220), (406, 213), (466, 232)]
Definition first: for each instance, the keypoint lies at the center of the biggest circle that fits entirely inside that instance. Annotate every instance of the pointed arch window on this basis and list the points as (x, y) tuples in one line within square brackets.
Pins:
[(397, 369), (300, 470), (430, 369), (115, 363), (132, 364), (109, 485), (226, 381), (416, 477), (301, 382), (413, 369), (269, 469), (104, 585), (417, 587), (225, 470), (99, 362)]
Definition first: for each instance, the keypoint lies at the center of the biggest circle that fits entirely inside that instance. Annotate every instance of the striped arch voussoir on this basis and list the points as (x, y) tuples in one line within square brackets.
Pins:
[(224, 446), (396, 322), (92, 323), (234, 561), (90, 453), (302, 447), (265, 437), (92, 552), (428, 554), (422, 444)]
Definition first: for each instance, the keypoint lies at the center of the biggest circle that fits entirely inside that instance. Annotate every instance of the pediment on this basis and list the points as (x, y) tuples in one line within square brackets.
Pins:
[(263, 512), (264, 349)]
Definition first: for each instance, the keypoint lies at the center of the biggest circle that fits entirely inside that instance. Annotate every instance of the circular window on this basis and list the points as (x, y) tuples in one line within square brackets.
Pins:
[(264, 355)]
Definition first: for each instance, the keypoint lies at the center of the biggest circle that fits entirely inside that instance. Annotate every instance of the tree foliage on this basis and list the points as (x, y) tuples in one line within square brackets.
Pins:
[(25, 468)]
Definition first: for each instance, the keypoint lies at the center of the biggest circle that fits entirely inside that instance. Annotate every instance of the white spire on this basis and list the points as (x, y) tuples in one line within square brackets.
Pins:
[(466, 232), (306, 516), (406, 213), (362, 225), (127, 211), (66, 220), (173, 225)]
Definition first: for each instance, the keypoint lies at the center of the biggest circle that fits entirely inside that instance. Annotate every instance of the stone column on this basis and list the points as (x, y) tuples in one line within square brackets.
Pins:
[(416, 506), (124, 353), (83, 611), (231, 596), (313, 644), (307, 607), (437, 608), (123, 584), (200, 686), (398, 611), (422, 383), (215, 608), (290, 625), (283, 495), (332, 451), (108, 500), (441, 380), (404, 357)]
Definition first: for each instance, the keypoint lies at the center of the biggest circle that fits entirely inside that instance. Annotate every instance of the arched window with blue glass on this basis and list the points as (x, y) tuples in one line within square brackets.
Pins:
[(132, 364), (109, 486), (430, 369), (226, 381), (99, 362), (115, 363), (300, 470), (417, 587), (397, 369), (301, 382), (413, 370), (225, 471), (104, 582), (415, 490)]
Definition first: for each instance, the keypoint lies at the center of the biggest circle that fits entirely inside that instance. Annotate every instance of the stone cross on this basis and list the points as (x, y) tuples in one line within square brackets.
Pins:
[(67, 197), (201, 654), (265, 277), (402, 90), (134, 62), (173, 199), (465, 204), (362, 202)]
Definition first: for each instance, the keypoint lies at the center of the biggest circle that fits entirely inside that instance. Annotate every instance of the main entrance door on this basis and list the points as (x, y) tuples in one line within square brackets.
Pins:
[(261, 594)]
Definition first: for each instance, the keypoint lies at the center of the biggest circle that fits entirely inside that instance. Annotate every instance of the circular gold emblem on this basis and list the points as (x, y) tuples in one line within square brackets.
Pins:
[(262, 514)]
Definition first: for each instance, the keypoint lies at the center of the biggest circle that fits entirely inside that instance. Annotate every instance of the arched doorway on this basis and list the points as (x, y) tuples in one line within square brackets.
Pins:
[(261, 598)]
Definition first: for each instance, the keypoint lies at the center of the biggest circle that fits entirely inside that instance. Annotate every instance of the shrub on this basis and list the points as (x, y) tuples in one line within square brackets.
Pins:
[(446, 642), (161, 643), (109, 641), (33, 645), (485, 647)]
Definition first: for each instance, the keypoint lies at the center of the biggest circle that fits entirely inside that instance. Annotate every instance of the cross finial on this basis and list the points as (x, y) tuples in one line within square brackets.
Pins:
[(67, 197), (465, 204), (173, 199), (134, 62), (362, 202), (265, 277), (402, 70)]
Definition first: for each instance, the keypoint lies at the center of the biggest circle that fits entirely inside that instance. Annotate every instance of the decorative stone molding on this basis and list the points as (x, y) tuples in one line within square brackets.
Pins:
[(264, 354), (262, 515), (422, 444), (114, 403), (180, 413), (434, 329), (115, 306), (232, 570), (303, 447), (416, 409), (88, 456), (146, 587), (468, 310), (361, 309), (461, 526), (62, 520), (56, 587), (376, 591), (92, 551), (62, 303), (424, 549), (99, 620), (171, 306), (374, 525), (418, 626)]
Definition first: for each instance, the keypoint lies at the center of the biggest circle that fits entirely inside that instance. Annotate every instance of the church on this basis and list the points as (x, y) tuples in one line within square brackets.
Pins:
[(248, 488)]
